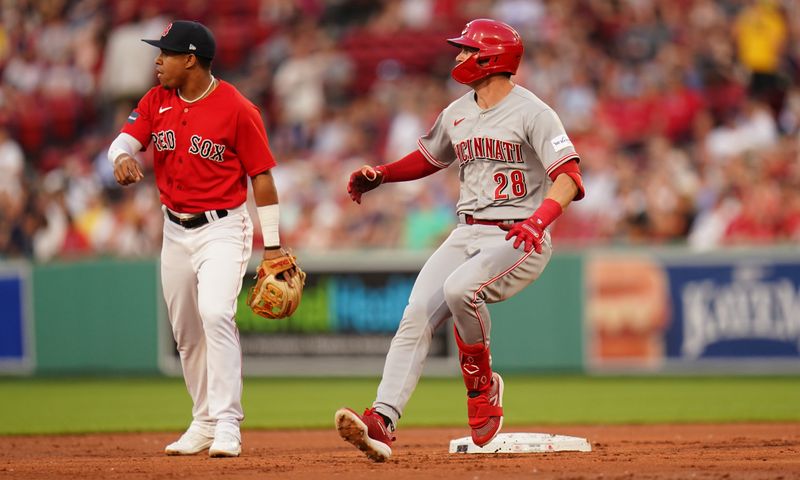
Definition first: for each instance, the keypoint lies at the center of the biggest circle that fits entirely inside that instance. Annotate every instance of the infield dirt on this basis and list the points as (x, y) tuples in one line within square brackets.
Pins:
[(713, 451)]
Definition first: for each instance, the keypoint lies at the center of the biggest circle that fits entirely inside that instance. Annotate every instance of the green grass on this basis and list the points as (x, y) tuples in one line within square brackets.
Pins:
[(152, 404)]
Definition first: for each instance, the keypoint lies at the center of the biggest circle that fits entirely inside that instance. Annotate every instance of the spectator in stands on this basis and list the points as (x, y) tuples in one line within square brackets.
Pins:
[(761, 37), (12, 165), (127, 72)]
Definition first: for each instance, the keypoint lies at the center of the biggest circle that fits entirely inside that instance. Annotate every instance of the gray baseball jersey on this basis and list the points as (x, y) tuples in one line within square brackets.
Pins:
[(504, 153)]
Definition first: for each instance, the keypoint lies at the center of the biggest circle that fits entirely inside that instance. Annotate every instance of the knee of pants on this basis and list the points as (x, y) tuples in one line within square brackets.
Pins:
[(215, 314), (457, 294), (187, 336), (415, 323)]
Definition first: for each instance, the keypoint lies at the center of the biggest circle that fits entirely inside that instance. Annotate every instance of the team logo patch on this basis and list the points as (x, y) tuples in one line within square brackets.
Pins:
[(133, 116), (560, 143), (166, 30)]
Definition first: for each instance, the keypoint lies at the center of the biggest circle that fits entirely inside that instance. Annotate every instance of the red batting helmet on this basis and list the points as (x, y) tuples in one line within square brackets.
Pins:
[(499, 50)]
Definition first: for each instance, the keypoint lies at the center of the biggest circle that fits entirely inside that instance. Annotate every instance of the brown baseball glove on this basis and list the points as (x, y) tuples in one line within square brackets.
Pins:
[(279, 287)]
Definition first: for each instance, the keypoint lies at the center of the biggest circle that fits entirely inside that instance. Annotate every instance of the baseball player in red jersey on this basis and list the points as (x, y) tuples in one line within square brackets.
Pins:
[(208, 139), (518, 170)]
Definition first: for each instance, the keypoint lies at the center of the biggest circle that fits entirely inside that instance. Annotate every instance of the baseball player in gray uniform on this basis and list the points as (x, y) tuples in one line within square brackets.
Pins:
[(518, 171)]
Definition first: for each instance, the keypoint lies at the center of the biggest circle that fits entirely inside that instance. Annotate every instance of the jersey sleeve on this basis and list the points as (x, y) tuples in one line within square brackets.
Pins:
[(436, 145), (139, 122), (547, 136), (252, 146)]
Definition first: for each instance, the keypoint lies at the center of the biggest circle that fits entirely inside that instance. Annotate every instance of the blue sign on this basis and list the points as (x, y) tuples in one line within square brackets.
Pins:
[(734, 310), (369, 303), (12, 338)]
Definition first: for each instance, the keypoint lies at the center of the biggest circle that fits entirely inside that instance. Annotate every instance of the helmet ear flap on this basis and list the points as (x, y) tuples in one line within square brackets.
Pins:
[(467, 71)]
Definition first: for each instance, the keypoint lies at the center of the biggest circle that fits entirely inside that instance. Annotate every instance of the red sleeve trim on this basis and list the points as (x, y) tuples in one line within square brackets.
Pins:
[(562, 161), (430, 157)]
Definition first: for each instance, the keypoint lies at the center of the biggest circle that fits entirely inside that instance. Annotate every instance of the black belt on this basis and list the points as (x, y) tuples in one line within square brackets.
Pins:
[(470, 220), (194, 221)]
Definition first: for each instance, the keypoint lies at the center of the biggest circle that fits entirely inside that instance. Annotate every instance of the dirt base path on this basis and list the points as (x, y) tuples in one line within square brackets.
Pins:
[(731, 451)]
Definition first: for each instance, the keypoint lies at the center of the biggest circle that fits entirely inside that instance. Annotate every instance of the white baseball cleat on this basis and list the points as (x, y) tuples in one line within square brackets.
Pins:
[(226, 444), (190, 443)]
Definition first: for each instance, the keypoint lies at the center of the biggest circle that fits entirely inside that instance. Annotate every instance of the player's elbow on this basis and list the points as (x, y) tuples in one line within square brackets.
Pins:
[(574, 184)]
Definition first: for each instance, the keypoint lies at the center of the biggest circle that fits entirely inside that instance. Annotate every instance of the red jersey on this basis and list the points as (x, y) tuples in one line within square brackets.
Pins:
[(204, 151)]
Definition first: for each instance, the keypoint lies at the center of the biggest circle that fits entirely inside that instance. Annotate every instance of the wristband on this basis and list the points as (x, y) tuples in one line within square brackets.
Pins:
[(268, 216), (123, 144), (384, 173), (548, 211)]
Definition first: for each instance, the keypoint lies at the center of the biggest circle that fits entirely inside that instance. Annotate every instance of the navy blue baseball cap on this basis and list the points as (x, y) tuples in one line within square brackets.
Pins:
[(184, 36)]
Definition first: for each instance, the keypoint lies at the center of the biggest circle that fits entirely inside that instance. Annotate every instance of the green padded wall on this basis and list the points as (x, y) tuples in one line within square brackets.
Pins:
[(541, 328), (96, 316)]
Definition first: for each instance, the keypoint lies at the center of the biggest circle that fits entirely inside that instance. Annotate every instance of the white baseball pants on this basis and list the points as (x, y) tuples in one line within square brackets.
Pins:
[(201, 274)]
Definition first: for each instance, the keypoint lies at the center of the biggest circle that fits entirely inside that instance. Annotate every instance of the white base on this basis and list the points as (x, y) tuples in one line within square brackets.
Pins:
[(523, 443)]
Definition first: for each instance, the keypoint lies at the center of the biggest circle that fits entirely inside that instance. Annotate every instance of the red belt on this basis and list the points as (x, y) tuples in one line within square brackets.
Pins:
[(470, 220)]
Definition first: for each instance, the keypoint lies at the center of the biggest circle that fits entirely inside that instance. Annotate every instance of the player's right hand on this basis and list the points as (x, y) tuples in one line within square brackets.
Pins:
[(363, 180), (127, 170), (528, 232)]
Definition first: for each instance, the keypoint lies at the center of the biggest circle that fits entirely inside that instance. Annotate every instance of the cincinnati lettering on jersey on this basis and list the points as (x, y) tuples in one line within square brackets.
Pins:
[(488, 149), (206, 148), (163, 140)]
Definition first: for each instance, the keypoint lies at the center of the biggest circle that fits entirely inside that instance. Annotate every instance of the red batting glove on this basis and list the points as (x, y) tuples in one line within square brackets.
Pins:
[(363, 180), (526, 231), (531, 230)]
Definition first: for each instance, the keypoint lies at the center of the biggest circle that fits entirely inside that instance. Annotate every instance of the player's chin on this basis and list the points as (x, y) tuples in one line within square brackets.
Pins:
[(163, 80)]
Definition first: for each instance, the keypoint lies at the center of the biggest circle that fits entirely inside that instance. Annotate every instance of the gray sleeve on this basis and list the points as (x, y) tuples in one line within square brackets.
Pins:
[(436, 145), (548, 137)]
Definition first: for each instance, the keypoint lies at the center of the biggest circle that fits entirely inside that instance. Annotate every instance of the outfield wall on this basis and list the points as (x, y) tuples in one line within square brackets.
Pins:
[(597, 311)]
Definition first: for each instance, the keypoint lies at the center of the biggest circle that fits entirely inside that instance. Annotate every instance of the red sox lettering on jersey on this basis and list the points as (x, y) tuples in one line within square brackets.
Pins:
[(163, 140), (206, 148)]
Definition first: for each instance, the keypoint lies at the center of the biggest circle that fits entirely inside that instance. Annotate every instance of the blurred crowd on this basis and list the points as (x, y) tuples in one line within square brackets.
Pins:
[(686, 114)]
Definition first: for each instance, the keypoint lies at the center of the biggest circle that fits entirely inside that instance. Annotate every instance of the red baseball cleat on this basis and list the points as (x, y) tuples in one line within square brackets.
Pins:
[(486, 412), (367, 432)]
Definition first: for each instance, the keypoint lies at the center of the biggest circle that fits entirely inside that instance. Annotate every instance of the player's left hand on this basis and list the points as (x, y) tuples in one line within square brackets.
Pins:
[(528, 231), (275, 253), (279, 286)]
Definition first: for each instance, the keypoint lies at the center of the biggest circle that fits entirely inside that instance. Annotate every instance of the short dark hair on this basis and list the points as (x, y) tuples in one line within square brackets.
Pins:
[(205, 63)]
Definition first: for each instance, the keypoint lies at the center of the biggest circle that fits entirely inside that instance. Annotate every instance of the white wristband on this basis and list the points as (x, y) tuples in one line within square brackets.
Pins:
[(269, 217), (124, 143)]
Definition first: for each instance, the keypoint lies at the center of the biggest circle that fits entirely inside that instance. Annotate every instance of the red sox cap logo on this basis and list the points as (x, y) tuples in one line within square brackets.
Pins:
[(166, 30)]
